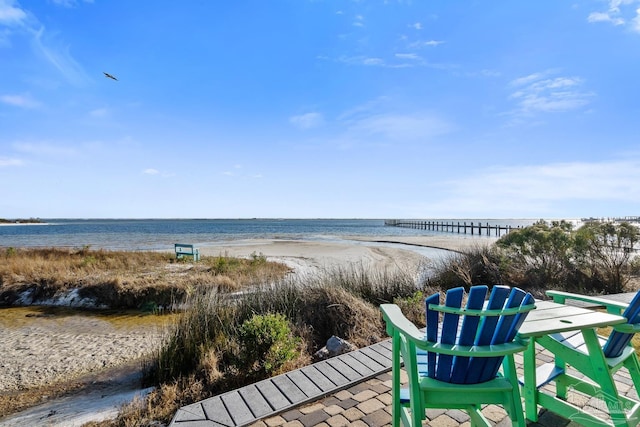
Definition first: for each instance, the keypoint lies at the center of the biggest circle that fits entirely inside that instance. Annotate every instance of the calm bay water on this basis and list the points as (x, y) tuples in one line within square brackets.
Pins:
[(157, 234)]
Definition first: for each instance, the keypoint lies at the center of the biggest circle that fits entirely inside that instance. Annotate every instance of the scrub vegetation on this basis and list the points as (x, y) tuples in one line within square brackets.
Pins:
[(226, 339)]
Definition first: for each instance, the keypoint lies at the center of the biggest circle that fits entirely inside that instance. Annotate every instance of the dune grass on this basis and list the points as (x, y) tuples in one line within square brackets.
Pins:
[(124, 280), (204, 353)]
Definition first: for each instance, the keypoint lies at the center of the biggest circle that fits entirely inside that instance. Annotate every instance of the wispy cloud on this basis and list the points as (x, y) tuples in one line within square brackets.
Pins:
[(411, 56), (19, 22), (537, 190), (59, 56), (44, 149), (398, 60), (10, 14), (420, 44), (397, 126), (619, 13), (545, 93), (307, 121), (99, 112), (22, 101), (8, 161), (69, 3), (156, 172)]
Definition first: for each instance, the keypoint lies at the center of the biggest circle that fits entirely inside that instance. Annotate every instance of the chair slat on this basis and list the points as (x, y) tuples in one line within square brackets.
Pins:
[(504, 332), (618, 340), (433, 325), (448, 334), (477, 295), (487, 327)]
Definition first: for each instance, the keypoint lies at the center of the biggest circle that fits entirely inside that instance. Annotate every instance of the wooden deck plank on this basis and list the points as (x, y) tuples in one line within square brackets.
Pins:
[(367, 361), (303, 383), (385, 344), (318, 378), (274, 396), (362, 369), (198, 423), (331, 373), (193, 412), (383, 359), (237, 408), (256, 401), (216, 411), (289, 389), (346, 370)]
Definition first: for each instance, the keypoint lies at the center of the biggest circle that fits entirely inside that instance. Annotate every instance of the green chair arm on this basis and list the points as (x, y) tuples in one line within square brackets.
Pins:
[(397, 323), (628, 328), (474, 350), (613, 307)]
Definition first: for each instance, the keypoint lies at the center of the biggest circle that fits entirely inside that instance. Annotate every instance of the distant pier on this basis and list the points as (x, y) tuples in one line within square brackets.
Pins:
[(475, 229)]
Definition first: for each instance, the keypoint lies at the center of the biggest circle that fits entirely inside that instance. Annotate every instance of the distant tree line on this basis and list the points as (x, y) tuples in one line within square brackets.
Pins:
[(20, 221)]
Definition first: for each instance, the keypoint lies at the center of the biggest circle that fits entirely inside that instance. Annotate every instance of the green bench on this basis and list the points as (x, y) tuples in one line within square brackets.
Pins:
[(183, 250)]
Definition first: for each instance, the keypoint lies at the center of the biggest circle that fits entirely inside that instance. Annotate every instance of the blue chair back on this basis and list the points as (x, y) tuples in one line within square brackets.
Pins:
[(619, 340), (480, 329)]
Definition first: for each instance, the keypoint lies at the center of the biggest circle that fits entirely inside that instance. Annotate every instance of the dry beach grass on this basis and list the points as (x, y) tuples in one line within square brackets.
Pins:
[(46, 355), (359, 264)]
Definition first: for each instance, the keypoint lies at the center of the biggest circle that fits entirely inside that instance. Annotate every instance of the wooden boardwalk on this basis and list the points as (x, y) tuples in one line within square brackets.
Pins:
[(274, 395)]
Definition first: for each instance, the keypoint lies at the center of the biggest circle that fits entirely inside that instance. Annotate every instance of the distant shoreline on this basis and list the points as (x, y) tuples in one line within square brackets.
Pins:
[(21, 221)]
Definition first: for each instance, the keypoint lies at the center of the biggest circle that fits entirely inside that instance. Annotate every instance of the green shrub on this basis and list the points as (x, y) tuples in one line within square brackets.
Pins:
[(634, 266), (413, 307), (267, 342)]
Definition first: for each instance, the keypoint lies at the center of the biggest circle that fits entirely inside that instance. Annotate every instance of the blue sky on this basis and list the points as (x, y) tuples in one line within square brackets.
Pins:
[(319, 108)]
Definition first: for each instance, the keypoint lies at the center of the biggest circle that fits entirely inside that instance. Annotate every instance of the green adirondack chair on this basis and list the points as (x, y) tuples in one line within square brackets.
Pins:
[(455, 365), (598, 361)]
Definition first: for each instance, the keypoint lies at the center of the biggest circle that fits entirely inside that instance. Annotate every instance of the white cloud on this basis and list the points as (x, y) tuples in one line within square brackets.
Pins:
[(539, 93), (58, 56), (604, 17), (417, 126), (69, 3), (151, 171), (307, 121), (523, 191), (416, 26), (618, 13), (635, 22), (10, 14), (411, 56), (23, 101), (44, 149), (425, 43), (7, 161), (45, 44), (99, 112)]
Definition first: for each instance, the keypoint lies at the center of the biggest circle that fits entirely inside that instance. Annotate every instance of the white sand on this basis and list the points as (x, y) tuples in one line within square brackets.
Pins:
[(309, 256)]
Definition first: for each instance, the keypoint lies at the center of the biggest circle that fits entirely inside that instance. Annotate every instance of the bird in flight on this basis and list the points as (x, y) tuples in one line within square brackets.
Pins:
[(109, 76)]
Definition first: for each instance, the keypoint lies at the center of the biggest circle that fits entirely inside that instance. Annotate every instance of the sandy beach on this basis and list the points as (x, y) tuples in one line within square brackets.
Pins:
[(39, 350), (309, 256)]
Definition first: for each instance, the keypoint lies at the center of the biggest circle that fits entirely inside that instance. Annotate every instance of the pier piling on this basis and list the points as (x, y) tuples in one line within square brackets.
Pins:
[(451, 227)]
